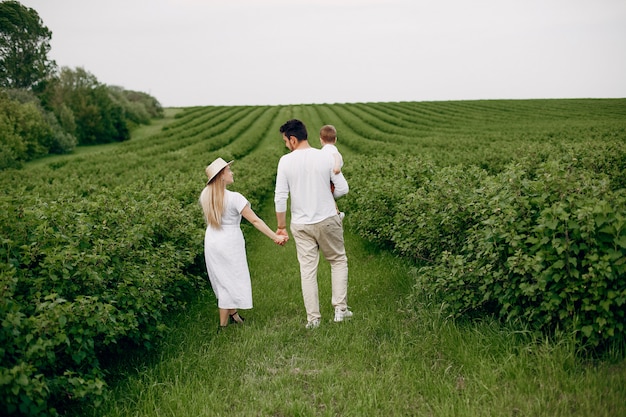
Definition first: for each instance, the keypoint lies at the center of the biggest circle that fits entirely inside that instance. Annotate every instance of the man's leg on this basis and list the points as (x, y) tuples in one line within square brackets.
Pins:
[(308, 257), (330, 237)]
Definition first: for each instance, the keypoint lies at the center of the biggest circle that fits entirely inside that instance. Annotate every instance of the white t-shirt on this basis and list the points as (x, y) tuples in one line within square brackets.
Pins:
[(305, 174)]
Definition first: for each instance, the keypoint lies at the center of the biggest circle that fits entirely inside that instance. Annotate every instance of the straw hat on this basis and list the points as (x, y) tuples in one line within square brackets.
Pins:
[(215, 168)]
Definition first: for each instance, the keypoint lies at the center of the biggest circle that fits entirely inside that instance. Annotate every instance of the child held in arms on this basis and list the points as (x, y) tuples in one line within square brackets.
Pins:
[(328, 139)]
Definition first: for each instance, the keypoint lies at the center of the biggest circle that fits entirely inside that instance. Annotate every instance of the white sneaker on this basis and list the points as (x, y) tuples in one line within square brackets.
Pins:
[(313, 324), (341, 315)]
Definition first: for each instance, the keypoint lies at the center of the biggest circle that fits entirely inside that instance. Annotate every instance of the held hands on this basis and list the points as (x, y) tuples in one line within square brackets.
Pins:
[(281, 240), (281, 237)]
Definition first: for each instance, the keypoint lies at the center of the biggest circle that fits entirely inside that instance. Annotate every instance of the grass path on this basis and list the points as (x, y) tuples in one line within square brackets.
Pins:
[(387, 361)]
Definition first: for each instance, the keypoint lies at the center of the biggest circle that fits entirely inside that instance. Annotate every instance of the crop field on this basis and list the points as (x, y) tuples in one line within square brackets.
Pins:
[(508, 211)]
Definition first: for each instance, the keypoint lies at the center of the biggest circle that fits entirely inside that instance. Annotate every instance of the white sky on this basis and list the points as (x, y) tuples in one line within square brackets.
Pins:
[(256, 52)]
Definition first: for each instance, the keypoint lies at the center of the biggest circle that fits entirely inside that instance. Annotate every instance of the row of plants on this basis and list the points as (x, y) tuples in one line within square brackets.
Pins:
[(97, 250), (541, 244), (488, 134)]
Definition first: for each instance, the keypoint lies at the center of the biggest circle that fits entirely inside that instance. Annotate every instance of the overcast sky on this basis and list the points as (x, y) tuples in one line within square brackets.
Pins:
[(256, 52)]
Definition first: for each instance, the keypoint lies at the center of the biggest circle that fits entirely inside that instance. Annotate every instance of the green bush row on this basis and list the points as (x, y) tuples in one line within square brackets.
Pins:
[(97, 250), (82, 278), (539, 242)]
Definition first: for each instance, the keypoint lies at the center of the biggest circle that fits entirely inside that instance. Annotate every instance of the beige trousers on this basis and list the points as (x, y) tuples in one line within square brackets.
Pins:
[(311, 239)]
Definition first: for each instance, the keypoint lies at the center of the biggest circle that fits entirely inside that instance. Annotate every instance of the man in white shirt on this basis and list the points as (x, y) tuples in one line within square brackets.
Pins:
[(305, 173)]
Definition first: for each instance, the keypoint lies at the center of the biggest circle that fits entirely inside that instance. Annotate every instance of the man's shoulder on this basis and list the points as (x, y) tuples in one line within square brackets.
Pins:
[(285, 158), (298, 154), (303, 156)]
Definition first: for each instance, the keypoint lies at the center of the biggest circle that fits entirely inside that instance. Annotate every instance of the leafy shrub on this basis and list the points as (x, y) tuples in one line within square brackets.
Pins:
[(546, 250), (62, 142), (24, 133), (436, 216), (378, 187), (539, 240), (83, 277)]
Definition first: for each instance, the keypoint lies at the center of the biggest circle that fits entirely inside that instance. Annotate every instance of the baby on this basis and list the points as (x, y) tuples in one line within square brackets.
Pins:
[(328, 139)]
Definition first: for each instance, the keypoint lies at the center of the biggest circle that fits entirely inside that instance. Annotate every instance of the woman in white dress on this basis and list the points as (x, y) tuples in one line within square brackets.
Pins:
[(224, 245)]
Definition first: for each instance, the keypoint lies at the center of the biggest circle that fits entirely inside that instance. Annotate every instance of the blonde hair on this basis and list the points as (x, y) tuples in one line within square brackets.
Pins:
[(328, 134), (212, 201)]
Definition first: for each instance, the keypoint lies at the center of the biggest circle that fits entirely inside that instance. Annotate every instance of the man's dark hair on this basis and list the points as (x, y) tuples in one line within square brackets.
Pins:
[(294, 127)]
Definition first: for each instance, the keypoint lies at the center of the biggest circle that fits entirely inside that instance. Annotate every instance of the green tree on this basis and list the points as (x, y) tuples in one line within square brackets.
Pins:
[(149, 103), (24, 47), (24, 132), (97, 116), (136, 112), (63, 139)]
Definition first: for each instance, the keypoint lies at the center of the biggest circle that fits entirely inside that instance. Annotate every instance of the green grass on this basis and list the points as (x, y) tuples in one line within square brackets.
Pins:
[(388, 360)]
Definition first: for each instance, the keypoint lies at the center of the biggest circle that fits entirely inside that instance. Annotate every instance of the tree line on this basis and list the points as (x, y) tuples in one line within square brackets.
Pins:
[(45, 109)]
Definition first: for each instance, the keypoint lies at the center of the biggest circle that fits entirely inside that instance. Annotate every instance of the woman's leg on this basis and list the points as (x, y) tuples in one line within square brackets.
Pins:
[(224, 313)]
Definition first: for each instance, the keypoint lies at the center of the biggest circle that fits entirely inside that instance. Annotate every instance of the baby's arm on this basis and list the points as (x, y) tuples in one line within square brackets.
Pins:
[(337, 166)]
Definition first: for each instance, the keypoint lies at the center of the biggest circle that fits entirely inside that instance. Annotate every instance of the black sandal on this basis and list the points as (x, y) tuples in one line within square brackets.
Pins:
[(234, 316)]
